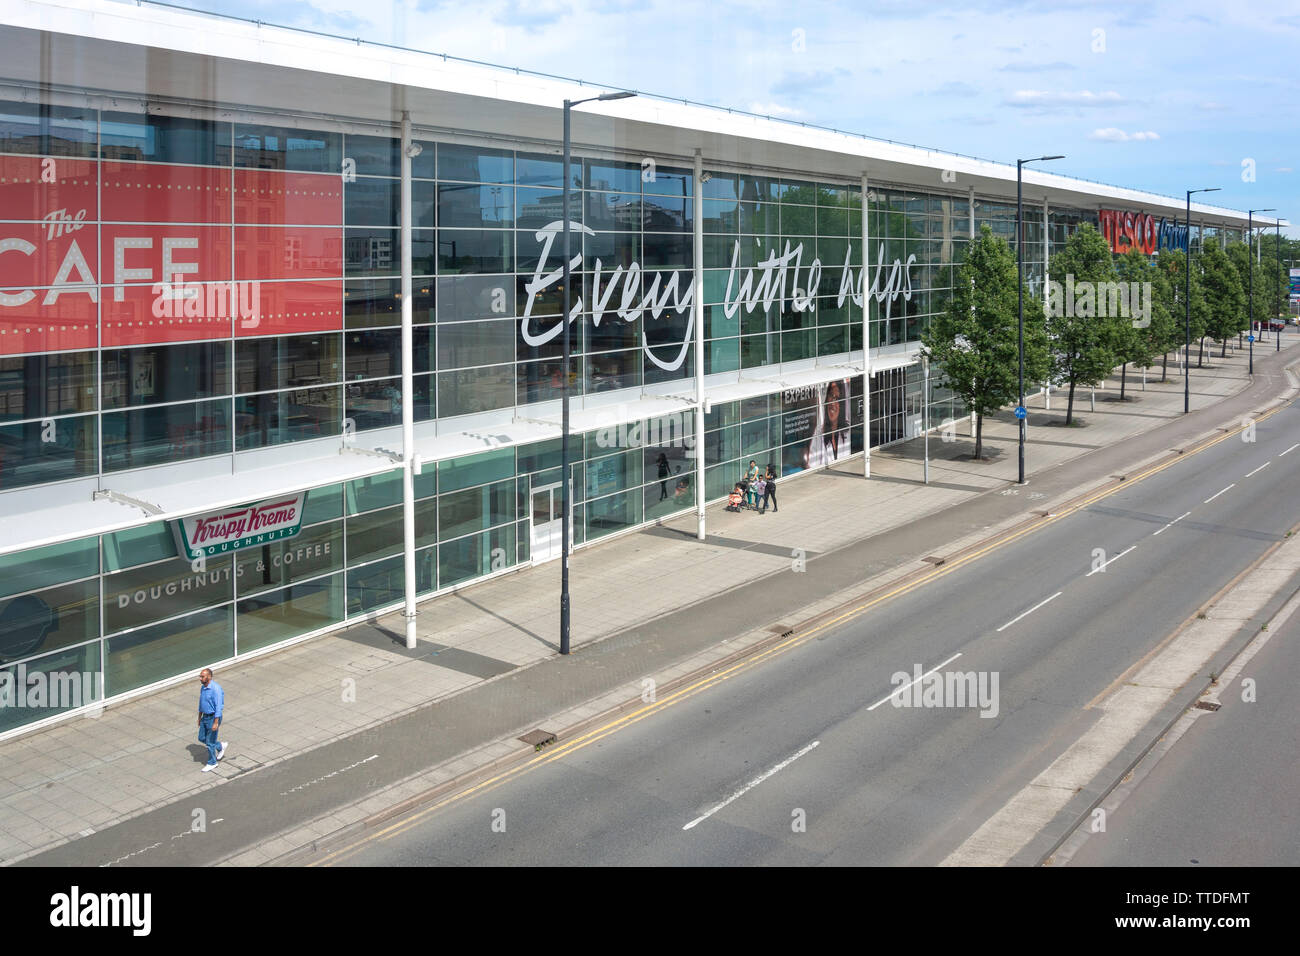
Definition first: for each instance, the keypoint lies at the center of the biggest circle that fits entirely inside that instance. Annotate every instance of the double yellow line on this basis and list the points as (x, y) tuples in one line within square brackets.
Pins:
[(568, 747)]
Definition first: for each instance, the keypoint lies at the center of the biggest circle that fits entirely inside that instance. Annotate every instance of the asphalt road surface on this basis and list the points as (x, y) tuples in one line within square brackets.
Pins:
[(805, 758), (1226, 792)]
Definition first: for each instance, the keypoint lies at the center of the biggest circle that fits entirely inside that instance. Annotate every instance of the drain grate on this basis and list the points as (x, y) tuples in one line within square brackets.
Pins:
[(1210, 705), (934, 559), (538, 738)]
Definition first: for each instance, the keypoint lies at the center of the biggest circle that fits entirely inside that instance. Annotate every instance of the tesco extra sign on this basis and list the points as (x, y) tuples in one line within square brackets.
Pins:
[(1136, 230)]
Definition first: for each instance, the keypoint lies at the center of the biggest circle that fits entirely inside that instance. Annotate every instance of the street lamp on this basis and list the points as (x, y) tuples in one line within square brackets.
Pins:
[(1187, 318), (1020, 296), (564, 414), (1277, 227), (1250, 282)]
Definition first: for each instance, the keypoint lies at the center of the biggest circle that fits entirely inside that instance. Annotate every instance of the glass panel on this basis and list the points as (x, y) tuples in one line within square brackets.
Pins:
[(368, 303), (280, 615), (467, 344), (267, 147), (373, 353), (162, 139), (154, 436), (475, 555), (40, 386), (155, 591), (154, 653), (472, 164), (47, 130), (476, 509), (310, 553), (608, 515), (284, 362), (35, 453), (378, 584), (41, 567), (374, 404), (475, 251), (67, 680), (41, 621), (377, 491), (165, 373), (465, 206), (476, 469), (374, 535), (475, 390)]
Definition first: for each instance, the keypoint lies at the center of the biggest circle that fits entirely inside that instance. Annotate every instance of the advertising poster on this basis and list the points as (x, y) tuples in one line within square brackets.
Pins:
[(816, 426)]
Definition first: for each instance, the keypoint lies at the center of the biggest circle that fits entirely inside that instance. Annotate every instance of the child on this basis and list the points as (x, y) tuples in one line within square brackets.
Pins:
[(759, 487), (734, 499)]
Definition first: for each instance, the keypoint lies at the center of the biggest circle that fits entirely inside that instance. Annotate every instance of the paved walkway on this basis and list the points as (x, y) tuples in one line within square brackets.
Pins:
[(86, 774)]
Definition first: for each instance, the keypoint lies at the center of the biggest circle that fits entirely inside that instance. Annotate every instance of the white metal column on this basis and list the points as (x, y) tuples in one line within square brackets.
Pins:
[(866, 331), (698, 282), (970, 194), (408, 391), (1047, 386)]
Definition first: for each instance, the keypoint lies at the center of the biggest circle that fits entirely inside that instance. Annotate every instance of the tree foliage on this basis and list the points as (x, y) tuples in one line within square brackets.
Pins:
[(974, 345)]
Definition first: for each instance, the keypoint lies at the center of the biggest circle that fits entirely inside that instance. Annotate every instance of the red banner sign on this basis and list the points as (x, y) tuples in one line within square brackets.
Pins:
[(128, 253)]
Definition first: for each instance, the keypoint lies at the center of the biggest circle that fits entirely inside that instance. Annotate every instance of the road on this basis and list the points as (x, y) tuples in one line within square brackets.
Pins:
[(804, 759), (1225, 792)]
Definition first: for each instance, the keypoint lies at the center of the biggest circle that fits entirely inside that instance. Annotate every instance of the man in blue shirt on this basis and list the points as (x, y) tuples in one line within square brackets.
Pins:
[(212, 701)]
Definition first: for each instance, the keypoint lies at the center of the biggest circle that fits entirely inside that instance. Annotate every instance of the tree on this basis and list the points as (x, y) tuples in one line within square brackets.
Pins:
[(1172, 264), (973, 345), (1134, 340), (1081, 340), (1225, 298), (1241, 257)]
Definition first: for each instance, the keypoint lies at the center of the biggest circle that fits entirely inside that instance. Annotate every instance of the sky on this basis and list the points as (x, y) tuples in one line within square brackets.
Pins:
[(1152, 95)]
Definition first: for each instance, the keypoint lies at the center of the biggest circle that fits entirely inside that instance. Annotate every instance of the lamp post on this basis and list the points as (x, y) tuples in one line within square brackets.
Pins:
[(1187, 302), (564, 414), (1277, 227), (1020, 292), (1250, 281)]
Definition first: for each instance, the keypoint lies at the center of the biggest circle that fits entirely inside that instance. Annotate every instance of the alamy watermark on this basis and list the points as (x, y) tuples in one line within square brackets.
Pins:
[(1086, 300), (947, 689), (55, 690)]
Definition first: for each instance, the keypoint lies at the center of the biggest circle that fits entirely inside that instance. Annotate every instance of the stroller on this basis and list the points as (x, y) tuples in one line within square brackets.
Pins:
[(736, 498)]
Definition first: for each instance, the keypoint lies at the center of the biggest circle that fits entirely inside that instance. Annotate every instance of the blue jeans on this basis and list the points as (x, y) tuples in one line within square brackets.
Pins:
[(208, 736)]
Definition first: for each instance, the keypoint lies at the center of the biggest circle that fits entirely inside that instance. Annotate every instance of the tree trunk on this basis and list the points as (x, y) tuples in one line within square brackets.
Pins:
[(1069, 408), (1123, 375), (1164, 368), (1200, 359), (979, 435), (1224, 353)]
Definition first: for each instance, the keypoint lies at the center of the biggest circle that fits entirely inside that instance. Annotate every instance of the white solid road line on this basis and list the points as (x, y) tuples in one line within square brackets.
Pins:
[(898, 690), (1291, 449), (752, 784), (1217, 493), (1030, 611), (1260, 468), (1172, 523), (1108, 563)]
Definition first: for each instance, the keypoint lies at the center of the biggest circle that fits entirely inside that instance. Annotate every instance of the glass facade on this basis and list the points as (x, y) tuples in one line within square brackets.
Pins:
[(175, 288)]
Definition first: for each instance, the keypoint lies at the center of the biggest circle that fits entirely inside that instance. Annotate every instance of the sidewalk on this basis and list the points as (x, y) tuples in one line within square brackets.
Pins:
[(87, 774)]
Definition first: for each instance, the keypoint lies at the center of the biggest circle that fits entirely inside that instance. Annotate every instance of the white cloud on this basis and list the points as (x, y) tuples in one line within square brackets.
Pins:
[(1111, 134), (1045, 98), (1283, 169)]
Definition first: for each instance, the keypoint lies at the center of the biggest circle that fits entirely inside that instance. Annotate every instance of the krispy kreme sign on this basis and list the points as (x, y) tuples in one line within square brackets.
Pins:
[(234, 528)]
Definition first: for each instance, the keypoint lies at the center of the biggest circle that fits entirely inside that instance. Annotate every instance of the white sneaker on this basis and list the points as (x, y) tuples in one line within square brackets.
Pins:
[(208, 768), (222, 752)]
